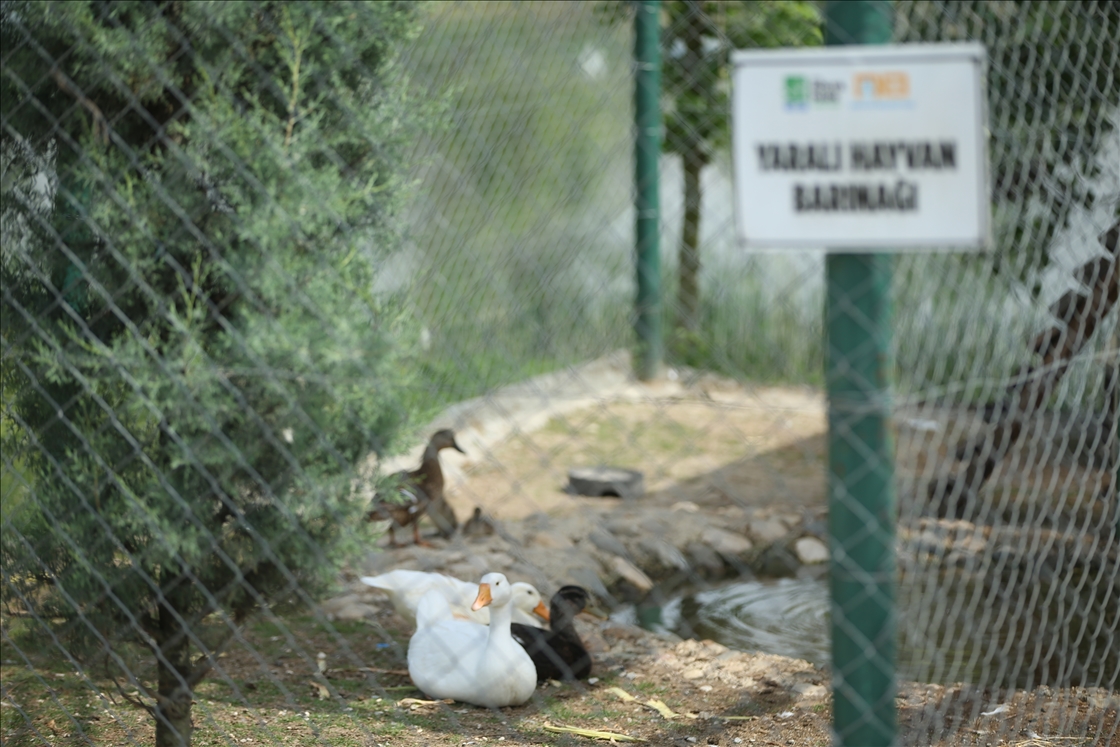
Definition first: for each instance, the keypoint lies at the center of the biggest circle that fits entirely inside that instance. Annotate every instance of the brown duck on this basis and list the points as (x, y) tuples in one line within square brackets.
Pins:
[(418, 492), (478, 525)]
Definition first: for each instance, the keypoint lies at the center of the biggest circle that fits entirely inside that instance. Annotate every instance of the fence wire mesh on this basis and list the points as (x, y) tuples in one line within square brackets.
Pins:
[(254, 255)]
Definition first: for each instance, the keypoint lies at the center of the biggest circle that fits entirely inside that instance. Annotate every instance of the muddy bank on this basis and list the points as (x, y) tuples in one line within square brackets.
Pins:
[(673, 692)]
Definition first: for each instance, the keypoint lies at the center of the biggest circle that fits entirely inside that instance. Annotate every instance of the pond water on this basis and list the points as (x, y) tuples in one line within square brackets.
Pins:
[(951, 640), (788, 616)]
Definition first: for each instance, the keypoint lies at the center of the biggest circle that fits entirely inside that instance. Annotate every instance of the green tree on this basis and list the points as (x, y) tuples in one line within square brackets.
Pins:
[(696, 42), (195, 197), (1053, 95)]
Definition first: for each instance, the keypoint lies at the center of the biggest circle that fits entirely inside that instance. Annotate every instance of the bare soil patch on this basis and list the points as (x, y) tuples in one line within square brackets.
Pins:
[(714, 443)]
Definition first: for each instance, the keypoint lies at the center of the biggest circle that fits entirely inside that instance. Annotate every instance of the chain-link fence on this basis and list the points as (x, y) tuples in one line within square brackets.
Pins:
[(256, 254)]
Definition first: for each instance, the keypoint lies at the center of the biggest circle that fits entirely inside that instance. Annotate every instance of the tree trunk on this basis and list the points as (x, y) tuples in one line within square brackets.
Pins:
[(173, 711), (690, 143), (173, 716), (688, 292)]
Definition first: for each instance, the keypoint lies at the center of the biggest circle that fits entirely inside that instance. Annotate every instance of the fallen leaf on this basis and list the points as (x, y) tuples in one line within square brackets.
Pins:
[(654, 703), (321, 692), (415, 703), (665, 711), (593, 733), (622, 694)]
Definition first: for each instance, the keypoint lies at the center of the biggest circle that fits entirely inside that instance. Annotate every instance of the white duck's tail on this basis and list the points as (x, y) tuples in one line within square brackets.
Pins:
[(377, 582)]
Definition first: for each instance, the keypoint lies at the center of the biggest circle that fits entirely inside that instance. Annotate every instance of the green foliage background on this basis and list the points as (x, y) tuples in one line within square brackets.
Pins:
[(511, 262), (194, 362), (1053, 83), (221, 217)]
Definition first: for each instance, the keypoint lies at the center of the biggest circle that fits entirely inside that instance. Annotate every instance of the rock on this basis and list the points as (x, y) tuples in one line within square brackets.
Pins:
[(811, 692), (689, 647), (589, 579), (592, 636), (612, 632), (667, 555), (713, 648), (693, 674), (550, 541), (688, 506), (776, 561), (621, 524), (704, 558), (810, 550), (789, 521), (607, 542), (334, 603), (766, 530), (727, 544), (537, 521), (348, 607), (630, 572)]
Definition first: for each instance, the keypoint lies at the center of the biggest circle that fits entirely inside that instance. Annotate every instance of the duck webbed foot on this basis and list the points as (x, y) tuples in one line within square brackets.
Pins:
[(393, 537), (416, 537)]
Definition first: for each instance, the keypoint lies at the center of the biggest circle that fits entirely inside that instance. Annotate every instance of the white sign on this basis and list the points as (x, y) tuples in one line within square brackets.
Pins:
[(861, 148)]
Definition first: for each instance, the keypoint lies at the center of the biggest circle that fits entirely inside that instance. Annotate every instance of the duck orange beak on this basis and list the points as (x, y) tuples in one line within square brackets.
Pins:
[(542, 612), (483, 597)]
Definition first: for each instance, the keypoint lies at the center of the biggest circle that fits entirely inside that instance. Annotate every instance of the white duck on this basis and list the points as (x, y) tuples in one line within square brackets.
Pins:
[(449, 658), (405, 589)]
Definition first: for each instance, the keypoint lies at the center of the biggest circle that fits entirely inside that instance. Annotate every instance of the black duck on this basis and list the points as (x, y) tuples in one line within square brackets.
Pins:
[(558, 654)]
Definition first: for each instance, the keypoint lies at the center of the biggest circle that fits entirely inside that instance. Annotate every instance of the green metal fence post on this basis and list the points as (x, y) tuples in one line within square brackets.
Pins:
[(647, 152), (860, 459)]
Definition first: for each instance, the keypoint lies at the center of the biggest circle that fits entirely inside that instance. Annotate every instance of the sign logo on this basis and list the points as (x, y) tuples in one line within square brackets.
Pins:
[(802, 92), (863, 148), (797, 92), (881, 90)]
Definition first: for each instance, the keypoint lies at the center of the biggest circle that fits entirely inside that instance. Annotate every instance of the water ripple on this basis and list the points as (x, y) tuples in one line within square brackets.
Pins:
[(789, 617)]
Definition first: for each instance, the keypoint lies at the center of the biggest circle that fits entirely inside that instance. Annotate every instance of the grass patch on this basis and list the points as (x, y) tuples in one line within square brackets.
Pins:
[(650, 688), (261, 692)]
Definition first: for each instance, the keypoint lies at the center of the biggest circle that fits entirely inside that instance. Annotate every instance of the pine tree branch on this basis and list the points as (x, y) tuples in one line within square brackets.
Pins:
[(135, 702), (205, 662), (100, 124)]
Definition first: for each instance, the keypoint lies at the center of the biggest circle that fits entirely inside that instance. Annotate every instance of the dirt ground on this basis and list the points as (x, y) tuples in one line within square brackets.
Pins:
[(715, 442), (710, 443), (271, 690), (695, 437), (703, 443)]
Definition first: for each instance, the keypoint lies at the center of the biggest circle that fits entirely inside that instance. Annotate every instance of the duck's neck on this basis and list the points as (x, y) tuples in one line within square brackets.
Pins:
[(560, 621), (431, 476), (500, 620)]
